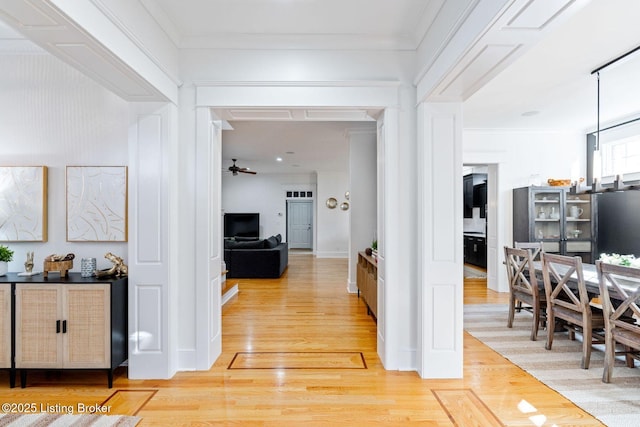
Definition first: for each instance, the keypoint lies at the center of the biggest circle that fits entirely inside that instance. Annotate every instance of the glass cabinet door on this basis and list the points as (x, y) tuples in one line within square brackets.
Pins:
[(578, 225), (547, 223)]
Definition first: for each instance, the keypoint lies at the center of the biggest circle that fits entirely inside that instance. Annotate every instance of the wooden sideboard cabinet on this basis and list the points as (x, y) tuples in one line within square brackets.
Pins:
[(367, 281), (69, 323), (5, 326)]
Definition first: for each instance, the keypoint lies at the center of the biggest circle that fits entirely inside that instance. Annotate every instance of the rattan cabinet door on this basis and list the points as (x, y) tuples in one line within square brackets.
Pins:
[(38, 326), (5, 325), (87, 338)]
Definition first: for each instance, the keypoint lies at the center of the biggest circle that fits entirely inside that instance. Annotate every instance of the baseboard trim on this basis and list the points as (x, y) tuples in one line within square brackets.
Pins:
[(230, 293)]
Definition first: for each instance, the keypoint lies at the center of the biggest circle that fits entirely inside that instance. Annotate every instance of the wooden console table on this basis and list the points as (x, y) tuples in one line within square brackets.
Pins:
[(70, 322), (367, 281)]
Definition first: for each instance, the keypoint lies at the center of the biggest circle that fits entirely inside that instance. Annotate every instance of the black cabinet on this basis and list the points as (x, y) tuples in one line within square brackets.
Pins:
[(468, 195), (561, 221), (475, 250), (475, 193), (480, 198)]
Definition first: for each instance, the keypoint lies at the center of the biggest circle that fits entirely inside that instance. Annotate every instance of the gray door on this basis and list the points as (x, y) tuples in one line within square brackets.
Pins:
[(300, 224)]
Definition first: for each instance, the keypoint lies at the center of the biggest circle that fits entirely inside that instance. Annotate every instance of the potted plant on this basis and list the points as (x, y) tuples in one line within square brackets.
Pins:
[(374, 248), (6, 255)]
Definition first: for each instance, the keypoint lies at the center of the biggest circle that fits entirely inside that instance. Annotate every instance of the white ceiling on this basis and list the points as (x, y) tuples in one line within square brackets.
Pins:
[(303, 146), (305, 24), (553, 78)]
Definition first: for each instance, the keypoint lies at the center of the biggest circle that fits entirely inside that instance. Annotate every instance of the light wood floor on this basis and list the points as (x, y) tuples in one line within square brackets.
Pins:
[(303, 353)]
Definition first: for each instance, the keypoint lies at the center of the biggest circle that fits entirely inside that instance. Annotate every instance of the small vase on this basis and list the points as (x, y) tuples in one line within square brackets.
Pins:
[(4, 267)]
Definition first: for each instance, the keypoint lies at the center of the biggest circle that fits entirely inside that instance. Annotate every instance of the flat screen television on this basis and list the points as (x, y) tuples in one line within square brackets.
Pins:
[(242, 225)]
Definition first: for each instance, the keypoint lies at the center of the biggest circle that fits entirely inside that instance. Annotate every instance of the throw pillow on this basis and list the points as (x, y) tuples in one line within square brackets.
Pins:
[(270, 243), (279, 238)]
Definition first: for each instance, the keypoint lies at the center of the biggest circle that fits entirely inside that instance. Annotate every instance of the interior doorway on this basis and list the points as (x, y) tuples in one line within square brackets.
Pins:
[(475, 221), (300, 224)]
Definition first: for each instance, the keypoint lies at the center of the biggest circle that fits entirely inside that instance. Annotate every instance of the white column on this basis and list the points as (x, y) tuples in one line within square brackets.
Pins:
[(152, 216), (440, 346), (208, 239)]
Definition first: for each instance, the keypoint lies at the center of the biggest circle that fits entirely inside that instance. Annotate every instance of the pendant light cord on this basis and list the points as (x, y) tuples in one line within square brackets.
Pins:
[(598, 114)]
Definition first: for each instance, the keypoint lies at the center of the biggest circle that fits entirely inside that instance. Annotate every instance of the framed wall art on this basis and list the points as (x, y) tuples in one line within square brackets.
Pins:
[(23, 203), (96, 203)]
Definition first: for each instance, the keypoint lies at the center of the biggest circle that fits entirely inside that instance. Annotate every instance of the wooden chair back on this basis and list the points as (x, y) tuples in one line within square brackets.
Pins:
[(620, 284), (521, 272), (558, 272), (535, 248), (618, 280)]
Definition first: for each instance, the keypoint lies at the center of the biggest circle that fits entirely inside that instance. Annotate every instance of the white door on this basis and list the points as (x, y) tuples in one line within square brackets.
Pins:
[(300, 224)]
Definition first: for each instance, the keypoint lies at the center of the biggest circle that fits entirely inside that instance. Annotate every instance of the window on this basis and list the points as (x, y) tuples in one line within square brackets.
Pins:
[(299, 194), (621, 156)]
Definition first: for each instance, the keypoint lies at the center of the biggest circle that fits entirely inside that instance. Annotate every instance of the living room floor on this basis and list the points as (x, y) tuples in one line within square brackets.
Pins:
[(300, 350)]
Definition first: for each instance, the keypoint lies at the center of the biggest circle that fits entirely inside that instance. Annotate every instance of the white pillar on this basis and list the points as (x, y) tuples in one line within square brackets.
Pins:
[(440, 317), (152, 216)]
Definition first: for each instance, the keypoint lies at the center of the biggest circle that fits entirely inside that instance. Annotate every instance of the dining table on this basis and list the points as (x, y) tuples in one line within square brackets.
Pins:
[(591, 281)]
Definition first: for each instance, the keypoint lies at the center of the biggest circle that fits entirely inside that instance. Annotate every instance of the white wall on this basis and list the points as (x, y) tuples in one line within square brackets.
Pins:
[(363, 197), (332, 224), (263, 193), (52, 115), (518, 156)]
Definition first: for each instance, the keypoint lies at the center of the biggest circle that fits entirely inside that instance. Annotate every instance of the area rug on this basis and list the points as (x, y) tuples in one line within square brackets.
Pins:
[(64, 420), (474, 273), (616, 404)]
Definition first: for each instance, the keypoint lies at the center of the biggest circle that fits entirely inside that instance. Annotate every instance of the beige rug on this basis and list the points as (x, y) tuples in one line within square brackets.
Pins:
[(616, 404), (63, 420), (474, 273)]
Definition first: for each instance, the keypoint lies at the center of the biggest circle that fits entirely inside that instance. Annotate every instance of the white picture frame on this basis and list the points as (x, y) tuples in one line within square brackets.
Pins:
[(96, 203), (23, 203)]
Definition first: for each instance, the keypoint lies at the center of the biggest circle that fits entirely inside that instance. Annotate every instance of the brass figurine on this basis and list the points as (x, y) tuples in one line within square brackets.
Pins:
[(28, 265), (119, 267), (58, 257)]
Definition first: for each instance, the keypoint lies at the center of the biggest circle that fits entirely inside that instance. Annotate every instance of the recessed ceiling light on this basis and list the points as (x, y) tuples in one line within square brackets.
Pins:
[(278, 159), (530, 113)]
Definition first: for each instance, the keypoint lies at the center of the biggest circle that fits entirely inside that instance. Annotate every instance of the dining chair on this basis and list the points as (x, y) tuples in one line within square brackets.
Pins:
[(620, 303), (523, 288), (568, 300), (536, 248)]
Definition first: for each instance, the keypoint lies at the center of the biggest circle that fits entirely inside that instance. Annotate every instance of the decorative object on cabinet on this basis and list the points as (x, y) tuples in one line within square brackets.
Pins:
[(119, 268), (23, 203), (6, 255), (97, 203), (28, 264), (60, 263), (544, 214), (559, 182), (88, 267), (332, 202)]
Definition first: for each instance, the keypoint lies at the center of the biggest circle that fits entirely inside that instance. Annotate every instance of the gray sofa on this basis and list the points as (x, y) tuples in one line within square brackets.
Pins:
[(267, 258)]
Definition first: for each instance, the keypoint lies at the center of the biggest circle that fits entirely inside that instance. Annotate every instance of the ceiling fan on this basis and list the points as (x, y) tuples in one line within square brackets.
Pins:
[(234, 169)]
